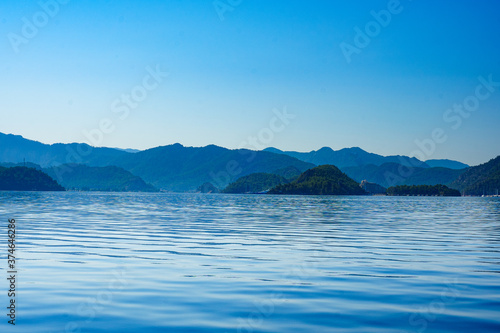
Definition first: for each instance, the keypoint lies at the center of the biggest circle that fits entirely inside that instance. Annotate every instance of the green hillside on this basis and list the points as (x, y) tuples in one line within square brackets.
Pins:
[(434, 176), (423, 190), (322, 180), (26, 179), (393, 174), (110, 178), (481, 179), (178, 168), (445, 163), (255, 183), (348, 157), (290, 173)]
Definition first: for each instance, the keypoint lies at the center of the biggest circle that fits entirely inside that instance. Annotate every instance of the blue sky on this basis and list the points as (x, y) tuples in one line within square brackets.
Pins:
[(231, 63)]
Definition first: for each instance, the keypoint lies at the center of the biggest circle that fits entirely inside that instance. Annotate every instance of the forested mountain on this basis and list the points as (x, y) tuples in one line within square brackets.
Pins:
[(110, 178), (450, 164), (255, 183), (26, 164), (172, 168), (322, 180), (289, 173), (481, 179), (26, 179), (179, 168), (16, 149), (392, 174), (348, 157)]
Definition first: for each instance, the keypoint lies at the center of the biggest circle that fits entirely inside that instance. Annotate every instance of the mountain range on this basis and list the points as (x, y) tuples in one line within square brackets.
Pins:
[(393, 174), (16, 149), (483, 179), (255, 183), (170, 168), (109, 178), (355, 157), (180, 169)]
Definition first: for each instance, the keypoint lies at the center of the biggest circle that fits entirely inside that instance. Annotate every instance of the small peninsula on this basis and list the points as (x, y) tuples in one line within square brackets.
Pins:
[(26, 179)]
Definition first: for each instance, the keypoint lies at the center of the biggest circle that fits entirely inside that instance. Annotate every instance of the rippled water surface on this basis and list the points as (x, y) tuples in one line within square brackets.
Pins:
[(99, 262)]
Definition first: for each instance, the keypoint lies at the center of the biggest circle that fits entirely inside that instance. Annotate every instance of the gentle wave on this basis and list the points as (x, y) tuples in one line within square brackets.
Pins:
[(128, 262)]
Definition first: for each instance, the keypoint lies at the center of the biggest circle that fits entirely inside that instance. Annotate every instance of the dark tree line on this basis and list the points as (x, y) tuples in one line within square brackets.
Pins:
[(426, 190), (26, 179)]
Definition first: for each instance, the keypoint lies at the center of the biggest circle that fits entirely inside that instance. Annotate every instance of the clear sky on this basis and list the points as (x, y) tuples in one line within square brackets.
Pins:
[(67, 69)]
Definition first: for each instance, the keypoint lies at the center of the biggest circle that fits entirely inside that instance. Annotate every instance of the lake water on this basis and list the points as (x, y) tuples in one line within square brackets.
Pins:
[(104, 262)]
